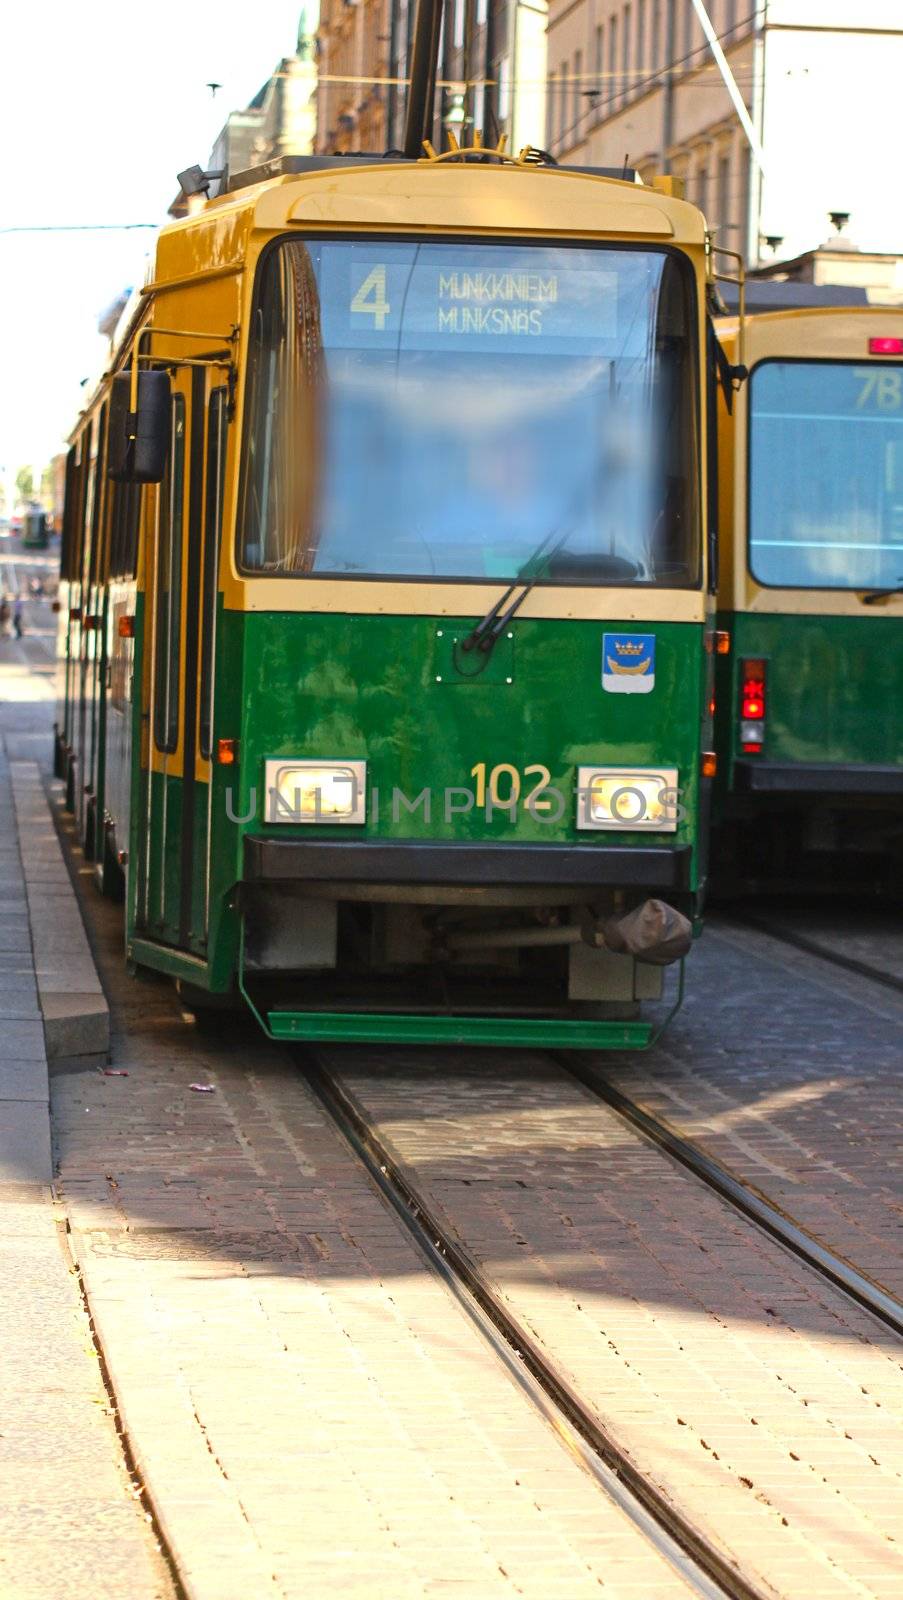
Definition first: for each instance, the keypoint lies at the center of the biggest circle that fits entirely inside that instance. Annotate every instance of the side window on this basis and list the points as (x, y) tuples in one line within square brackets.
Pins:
[(124, 529), (81, 505), (70, 515), (130, 517), (91, 470), (712, 451), (213, 526), (97, 501), (114, 491), (167, 632)]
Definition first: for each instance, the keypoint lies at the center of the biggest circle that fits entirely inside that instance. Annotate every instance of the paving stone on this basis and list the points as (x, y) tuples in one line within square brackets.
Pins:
[(21, 1040), (23, 1080), (24, 1140)]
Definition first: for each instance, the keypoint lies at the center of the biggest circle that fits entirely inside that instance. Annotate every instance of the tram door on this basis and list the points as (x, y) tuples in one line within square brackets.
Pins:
[(178, 686)]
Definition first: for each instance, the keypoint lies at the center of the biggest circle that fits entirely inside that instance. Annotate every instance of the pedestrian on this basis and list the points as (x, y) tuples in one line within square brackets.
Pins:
[(4, 617), (18, 609)]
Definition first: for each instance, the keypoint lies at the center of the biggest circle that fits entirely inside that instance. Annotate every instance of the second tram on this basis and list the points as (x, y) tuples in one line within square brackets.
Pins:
[(810, 720)]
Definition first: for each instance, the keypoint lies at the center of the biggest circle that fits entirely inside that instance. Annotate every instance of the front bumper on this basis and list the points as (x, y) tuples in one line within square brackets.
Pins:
[(397, 861)]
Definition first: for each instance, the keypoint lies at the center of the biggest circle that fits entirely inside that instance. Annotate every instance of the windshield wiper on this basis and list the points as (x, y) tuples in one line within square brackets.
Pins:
[(874, 595), (490, 627)]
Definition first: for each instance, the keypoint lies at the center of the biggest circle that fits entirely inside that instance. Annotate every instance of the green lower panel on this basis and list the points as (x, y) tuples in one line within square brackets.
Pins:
[(359, 1027), (834, 687), (164, 958)]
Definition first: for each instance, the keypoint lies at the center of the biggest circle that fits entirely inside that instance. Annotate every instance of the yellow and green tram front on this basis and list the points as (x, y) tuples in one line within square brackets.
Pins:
[(462, 677), (811, 699)]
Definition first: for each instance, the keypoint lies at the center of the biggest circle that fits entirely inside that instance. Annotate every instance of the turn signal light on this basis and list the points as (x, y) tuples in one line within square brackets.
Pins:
[(722, 642), (227, 752), (886, 346), (709, 763), (125, 627)]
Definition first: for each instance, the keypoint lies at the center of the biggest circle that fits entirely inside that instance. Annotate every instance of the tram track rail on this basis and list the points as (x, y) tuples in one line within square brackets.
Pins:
[(703, 1566), (811, 947), (841, 1274)]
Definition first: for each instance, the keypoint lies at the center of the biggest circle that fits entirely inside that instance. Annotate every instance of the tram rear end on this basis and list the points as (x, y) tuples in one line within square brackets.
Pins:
[(464, 618), (811, 696)]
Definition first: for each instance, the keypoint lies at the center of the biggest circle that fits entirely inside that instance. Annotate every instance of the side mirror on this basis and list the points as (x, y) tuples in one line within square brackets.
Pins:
[(138, 443)]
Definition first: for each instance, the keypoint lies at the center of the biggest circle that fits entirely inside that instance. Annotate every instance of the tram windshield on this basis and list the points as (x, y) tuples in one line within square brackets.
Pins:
[(826, 475), (443, 410)]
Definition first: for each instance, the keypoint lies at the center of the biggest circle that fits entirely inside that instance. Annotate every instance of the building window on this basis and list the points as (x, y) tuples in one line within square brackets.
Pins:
[(504, 81), (722, 203), (578, 92), (479, 106), (599, 64), (458, 35), (550, 110), (744, 244), (702, 187), (625, 54), (482, 12), (613, 62), (640, 48), (689, 31), (655, 43)]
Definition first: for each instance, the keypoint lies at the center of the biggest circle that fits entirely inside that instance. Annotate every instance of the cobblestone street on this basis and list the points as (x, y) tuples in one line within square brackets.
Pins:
[(781, 1405), (788, 1070)]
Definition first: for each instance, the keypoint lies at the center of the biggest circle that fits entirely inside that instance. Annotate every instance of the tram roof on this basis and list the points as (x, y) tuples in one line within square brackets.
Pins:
[(822, 332), (432, 196), (399, 196)]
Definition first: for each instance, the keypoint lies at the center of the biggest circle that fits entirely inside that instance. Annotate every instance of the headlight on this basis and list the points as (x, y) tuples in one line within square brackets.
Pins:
[(631, 798), (315, 791)]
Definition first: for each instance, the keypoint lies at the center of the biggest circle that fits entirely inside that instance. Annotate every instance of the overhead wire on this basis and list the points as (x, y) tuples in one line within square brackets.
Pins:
[(80, 227)]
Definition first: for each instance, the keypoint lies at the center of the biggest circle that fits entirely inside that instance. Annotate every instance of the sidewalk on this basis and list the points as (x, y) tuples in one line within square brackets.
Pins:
[(71, 1523)]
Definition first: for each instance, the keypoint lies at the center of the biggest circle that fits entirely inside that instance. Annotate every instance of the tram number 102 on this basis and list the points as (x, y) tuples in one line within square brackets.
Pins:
[(503, 785)]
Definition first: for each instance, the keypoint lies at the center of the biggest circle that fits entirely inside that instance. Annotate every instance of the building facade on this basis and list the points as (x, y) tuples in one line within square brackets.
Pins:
[(280, 120), (491, 76), (636, 81)]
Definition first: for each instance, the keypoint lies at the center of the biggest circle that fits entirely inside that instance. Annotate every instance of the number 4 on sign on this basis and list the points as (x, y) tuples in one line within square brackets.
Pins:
[(370, 299)]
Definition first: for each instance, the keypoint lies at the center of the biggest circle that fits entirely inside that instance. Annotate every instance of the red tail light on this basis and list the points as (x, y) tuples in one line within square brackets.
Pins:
[(753, 705), (886, 346)]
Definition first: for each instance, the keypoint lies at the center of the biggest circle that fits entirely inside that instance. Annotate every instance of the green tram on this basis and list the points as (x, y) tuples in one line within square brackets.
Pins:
[(810, 697), (34, 529), (387, 617)]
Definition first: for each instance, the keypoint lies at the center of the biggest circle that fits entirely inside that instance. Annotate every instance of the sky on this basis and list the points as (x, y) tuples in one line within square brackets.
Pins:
[(101, 104)]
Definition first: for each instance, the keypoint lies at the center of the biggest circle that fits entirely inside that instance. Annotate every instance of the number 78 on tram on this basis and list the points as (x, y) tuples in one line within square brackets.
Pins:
[(387, 620)]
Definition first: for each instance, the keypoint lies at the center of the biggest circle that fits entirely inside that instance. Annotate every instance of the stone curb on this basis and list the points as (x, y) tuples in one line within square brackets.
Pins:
[(75, 1013)]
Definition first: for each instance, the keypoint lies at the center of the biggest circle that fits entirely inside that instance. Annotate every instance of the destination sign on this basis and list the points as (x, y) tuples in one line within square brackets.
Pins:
[(423, 304)]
